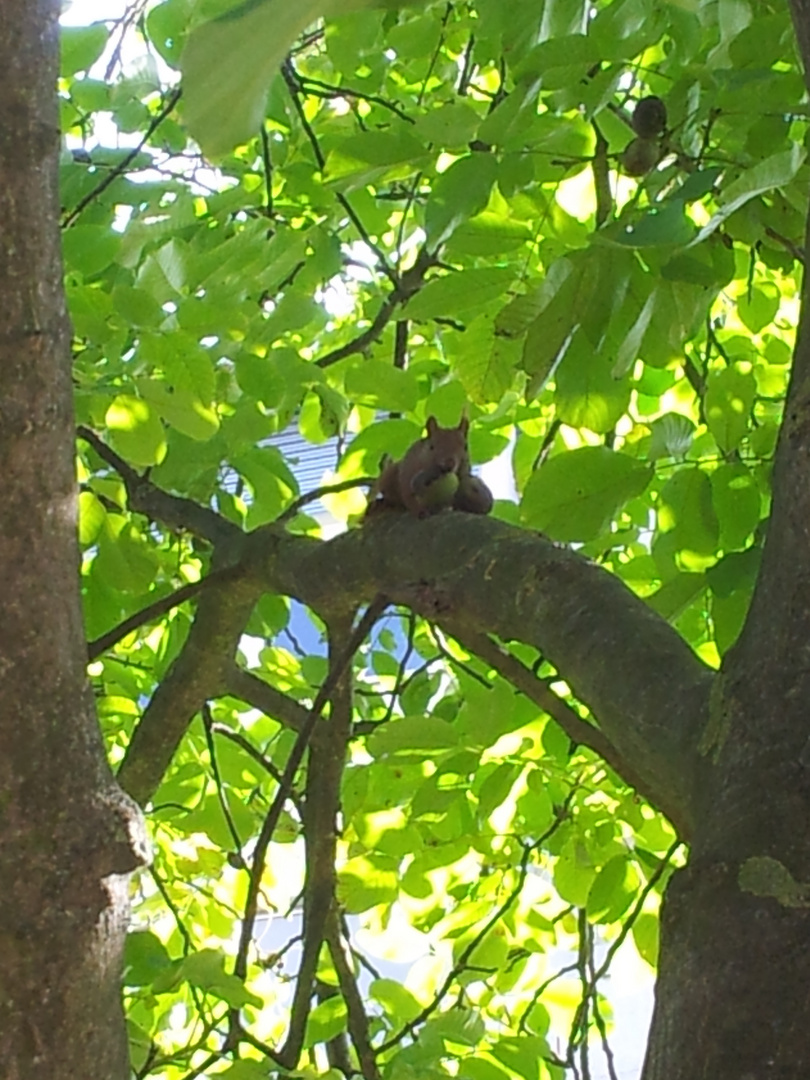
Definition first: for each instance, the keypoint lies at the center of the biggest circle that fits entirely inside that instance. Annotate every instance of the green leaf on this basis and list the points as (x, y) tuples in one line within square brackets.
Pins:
[(736, 572), (480, 1068), (246, 1070), (206, 969), (774, 172), (496, 788), (661, 226), (587, 393), (758, 308), (672, 435), (645, 936), (575, 495), (574, 873), (522, 1054), (566, 294), (728, 618), (737, 503), (397, 1001), (613, 890), (485, 362), (135, 430), (488, 233), (456, 293), (227, 65), (92, 516), (677, 594), (629, 348), (89, 249), (364, 882), (145, 956), (412, 734), (382, 386), (326, 1021), (535, 804), (372, 154), (452, 124), (461, 192), (728, 402), (136, 306), (80, 47), (166, 26), (180, 408), (686, 511), (458, 1025)]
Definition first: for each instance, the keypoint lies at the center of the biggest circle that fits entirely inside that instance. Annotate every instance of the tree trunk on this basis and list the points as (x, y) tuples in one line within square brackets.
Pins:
[(732, 996), (68, 837)]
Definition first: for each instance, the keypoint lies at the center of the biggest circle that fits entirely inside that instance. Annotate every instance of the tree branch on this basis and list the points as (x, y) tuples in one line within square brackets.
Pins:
[(146, 498), (573, 725), (355, 1007), (261, 695), (122, 166), (197, 674), (152, 611), (641, 681), (327, 755)]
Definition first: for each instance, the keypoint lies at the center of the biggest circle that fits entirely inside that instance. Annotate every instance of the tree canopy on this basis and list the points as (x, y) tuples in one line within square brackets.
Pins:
[(482, 744)]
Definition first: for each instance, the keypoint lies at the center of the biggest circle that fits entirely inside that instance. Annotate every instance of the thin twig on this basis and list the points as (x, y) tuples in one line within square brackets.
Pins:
[(472, 945), (153, 611), (123, 165), (627, 925), (208, 722), (357, 1018), (599, 1020), (328, 90), (370, 616), (291, 78), (401, 670), (188, 945), (317, 493)]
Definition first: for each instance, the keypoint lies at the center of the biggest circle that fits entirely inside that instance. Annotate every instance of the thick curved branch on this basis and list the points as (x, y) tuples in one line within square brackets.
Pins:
[(577, 729), (198, 673), (646, 688), (643, 684)]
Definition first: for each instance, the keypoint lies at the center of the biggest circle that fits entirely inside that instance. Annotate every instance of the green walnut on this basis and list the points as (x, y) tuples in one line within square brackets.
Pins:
[(440, 492)]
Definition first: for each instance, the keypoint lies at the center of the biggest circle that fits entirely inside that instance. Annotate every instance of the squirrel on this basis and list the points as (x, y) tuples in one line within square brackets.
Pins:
[(433, 475)]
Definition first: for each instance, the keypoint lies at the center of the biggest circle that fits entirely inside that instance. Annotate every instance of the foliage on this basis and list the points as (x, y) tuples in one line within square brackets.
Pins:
[(432, 212)]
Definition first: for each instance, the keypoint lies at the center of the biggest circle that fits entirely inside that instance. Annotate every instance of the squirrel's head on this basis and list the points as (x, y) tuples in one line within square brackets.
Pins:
[(448, 445)]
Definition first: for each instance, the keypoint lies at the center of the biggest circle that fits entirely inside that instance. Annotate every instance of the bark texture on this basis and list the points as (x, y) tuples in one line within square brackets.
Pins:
[(731, 1000), (68, 836)]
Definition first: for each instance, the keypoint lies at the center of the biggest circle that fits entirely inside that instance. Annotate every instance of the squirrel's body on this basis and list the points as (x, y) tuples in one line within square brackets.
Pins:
[(433, 475)]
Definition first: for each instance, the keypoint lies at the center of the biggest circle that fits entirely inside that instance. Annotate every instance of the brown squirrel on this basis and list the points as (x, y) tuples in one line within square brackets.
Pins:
[(433, 475)]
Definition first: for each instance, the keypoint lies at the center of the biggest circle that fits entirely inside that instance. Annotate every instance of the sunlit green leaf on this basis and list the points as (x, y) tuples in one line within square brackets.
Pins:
[(574, 495), (729, 399)]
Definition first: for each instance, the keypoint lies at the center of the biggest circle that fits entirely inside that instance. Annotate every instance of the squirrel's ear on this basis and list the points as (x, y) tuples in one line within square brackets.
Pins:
[(432, 426), (464, 422)]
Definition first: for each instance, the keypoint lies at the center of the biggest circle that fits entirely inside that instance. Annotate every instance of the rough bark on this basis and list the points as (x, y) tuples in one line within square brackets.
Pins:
[(68, 837), (647, 690), (731, 1000)]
